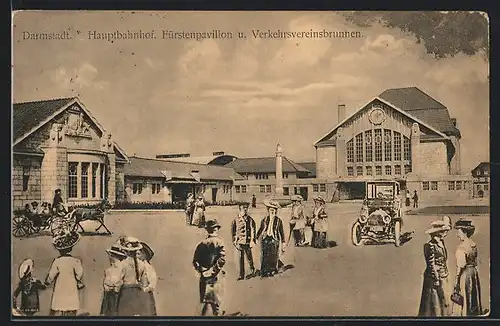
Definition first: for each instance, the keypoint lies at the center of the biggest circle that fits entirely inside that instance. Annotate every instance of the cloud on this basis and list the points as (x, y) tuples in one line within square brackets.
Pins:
[(81, 77)]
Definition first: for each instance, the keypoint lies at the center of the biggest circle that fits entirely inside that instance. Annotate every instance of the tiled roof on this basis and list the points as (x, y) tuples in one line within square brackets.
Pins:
[(264, 165), (421, 106), (147, 167), (28, 115), (199, 159), (310, 166)]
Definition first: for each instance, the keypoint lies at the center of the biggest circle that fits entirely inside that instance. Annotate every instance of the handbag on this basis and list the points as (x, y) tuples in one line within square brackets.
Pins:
[(457, 298)]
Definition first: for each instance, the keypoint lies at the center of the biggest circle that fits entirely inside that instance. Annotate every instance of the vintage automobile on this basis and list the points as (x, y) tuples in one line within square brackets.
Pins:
[(380, 219)]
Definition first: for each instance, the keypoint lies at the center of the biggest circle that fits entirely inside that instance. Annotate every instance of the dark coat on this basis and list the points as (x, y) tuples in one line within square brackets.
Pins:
[(28, 288), (249, 231), (277, 228)]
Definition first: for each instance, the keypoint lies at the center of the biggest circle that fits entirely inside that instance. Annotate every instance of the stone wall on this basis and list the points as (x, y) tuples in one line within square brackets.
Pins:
[(33, 193), (326, 162)]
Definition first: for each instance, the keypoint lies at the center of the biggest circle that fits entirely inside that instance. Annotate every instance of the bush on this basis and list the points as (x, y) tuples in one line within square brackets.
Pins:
[(149, 205)]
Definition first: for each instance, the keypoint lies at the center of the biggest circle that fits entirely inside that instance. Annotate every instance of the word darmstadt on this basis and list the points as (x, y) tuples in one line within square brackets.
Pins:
[(62, 35)]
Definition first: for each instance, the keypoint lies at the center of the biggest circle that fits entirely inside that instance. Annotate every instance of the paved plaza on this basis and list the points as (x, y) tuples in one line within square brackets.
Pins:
[(372, 280)]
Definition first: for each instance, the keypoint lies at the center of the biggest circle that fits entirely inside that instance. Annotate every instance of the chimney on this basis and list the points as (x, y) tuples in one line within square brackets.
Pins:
[(454, 121), (341, 112), (218, 153)]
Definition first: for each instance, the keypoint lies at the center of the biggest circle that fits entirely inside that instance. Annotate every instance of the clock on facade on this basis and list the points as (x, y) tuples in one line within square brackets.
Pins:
[(377, 116)]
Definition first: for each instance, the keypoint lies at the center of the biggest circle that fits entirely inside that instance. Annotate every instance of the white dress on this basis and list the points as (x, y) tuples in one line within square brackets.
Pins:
[(66, 271)]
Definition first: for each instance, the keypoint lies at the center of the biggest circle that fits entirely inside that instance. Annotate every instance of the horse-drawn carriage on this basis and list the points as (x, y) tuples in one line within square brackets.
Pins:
[(26, 223)]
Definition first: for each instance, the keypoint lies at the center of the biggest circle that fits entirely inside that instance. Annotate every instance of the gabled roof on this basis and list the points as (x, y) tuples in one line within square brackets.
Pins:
[(264, 165), (148, 167), (202, 159), (482, 166), (27, 117), (392, 105), (310, 166), (420, 105)]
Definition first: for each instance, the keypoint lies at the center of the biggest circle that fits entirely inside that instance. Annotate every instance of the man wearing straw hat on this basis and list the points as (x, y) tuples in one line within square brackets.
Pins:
[(243, 230), (208, 260), (66, 272), (434, 300)]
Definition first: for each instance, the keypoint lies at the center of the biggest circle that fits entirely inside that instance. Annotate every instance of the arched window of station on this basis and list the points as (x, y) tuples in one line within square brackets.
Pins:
[(378, 152)]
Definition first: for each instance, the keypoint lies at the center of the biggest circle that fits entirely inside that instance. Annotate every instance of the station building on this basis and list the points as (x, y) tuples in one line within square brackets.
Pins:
[(481, 180), (59, 144), (403, 134)]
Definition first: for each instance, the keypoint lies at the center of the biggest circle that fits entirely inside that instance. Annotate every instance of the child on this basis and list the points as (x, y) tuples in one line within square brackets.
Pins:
[(149, 282), (113, 280), (28, 288)]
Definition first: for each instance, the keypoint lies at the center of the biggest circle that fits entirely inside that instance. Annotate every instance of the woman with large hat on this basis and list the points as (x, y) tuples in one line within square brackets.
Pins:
[(320, 228), (208, 260), (467, 278), (297, 221), (132, 300), (113, 280), (151, 279), (66, 272), (434, 301), (272, 238)]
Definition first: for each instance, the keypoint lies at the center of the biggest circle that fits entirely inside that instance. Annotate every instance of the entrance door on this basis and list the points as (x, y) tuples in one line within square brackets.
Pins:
[(304, 193), (214, 195)]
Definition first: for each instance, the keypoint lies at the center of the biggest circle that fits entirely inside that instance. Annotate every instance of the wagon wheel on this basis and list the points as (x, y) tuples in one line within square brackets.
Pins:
[(19, 226)]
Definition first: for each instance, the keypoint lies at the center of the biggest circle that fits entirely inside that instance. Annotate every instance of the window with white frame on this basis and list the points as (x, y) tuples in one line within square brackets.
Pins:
[(268, 188), (315, 187), (85, 179), (137, 188), (368, 146), (397, 169), (72, 179), (486, 187), (378, 145), (407, 148), (369, 170), (285, 175), (350, 171), (458, 185), (451, 185), (350, 151), (262, 189), (155, 188), (388, 170), (237, 189), (397, 146), (359, 170), (434, 185), (95, 168), (322, 187), (243, 189), (359, 147), (261, 176), (387, 145), (425, 185), (378, 170)]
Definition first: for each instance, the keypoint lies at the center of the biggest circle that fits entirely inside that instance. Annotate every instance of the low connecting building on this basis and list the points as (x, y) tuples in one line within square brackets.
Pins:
[(403, 134)]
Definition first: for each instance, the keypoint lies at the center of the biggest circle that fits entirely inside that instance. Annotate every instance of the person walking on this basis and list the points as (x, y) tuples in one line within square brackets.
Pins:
[(320, 217), (57, 201), (434, 301), (243, 230), (297, 221), (272, 238), (29, 288), (467, 282), (189, 209), (66, 272), (199, 212), (208, 261), (415, 199), (254, 201)]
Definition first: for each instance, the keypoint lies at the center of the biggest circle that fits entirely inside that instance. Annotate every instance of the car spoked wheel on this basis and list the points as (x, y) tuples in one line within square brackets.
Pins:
[(356, 234), (397, 233)]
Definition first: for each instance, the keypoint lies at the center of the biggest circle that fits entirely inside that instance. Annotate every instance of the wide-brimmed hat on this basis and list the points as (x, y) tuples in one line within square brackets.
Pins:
[(243, 204), (297, 198), (212, 224), (34, 203), (319, 198), (65, 240), (146, 249), (129, 244), (464, 224), (437, 226), (116, 250), (270, 203), (26, 267), (447, 220)]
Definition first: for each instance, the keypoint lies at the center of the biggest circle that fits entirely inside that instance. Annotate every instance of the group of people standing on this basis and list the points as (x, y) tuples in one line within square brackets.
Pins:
[(195, 210), (438, 297)]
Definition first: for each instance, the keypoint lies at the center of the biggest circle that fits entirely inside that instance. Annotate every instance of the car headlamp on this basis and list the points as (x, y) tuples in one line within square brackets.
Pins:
[(386, 219)]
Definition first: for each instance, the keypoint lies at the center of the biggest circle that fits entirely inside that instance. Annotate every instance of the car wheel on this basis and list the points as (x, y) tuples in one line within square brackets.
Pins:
[(356, 234), (397, 233)]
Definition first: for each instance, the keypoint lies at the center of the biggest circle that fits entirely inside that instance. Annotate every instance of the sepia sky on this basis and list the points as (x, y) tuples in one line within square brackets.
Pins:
[(241, 96)]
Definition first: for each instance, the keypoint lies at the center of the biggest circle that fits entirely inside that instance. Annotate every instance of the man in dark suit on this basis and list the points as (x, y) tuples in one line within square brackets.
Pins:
[(243, 230)]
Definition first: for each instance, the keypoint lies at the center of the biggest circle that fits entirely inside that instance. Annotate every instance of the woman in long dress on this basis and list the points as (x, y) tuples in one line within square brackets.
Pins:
[(66, 272), (113, 280), (199, 212), (467, 278), (434, 301), (133, 300), (320, 229), (150, 281), (272, 238)]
